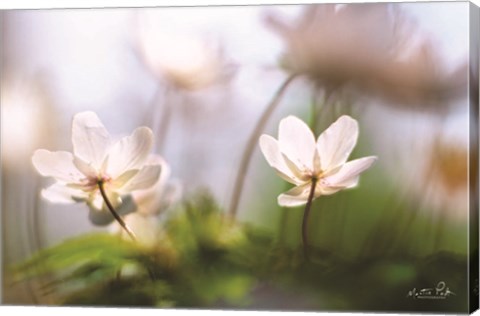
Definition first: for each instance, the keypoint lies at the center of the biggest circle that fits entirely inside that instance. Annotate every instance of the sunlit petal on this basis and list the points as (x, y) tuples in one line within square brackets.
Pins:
[(297, 141), (130, 152), (57, 164), (295, 197), (144, 179), (347, 176), (271, 151), (58, 193), (86, 168), (337, 142), (90, 138)]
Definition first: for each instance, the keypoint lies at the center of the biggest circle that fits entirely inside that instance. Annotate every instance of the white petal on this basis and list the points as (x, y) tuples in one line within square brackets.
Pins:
[(296, 196), (130, 152), (86, 168), (166, 170), (336, 143), (271, 151), (124, 178), (58, 164), (158, 198), (90, 138), (323, 188), (58, 193), (347, 176), (297, 141), (144, 179)]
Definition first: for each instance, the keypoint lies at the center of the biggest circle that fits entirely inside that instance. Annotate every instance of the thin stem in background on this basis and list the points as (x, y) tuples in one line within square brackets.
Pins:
[(160, 128), (114, 213), (252, 144), (306, 213), (313, 112)]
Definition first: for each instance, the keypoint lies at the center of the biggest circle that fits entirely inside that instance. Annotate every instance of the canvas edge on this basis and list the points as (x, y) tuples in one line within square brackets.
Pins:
[(473, 231)]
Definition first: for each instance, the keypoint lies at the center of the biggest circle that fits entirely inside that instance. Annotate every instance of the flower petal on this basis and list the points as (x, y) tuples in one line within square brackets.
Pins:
[(123, 178), (271, 151), (57, 164), (336, 143), (130, 152), (297, 141), (58, 193), (324, 188), (90, 138), (295, 197), (86, 168), (144, 179), (161, 195), (348, 175)]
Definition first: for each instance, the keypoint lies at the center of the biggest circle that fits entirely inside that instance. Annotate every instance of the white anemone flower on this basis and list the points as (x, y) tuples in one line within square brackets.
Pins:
[(308, 164), (98, 163)]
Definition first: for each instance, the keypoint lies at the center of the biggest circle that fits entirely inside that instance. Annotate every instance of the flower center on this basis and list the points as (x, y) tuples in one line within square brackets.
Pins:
[(91, 183)]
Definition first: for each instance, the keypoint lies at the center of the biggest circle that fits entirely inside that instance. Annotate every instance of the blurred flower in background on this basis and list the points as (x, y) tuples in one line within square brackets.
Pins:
[(370, 48), (182, 59), (149, 205), (147, 229), (162, 195), (443, 181), (25, 104)]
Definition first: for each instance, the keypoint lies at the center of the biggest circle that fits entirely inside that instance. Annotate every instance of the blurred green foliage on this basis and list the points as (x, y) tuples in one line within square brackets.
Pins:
[(205, 259)]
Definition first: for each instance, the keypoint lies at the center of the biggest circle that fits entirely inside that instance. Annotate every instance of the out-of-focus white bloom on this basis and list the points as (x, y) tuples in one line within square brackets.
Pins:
[(185, 61), (368, 48), (299, 159), (441, 179), (24, 104), (160, 196), (121, 167), (148, 204)]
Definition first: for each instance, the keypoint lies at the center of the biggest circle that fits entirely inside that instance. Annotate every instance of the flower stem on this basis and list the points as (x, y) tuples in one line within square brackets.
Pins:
[(306, 213), (162, 130), (313, 112), (251, 145), (114, 213), (160, 123)]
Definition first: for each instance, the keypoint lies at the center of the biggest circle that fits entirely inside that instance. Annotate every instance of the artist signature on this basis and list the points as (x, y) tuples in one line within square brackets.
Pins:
[(440, 292)]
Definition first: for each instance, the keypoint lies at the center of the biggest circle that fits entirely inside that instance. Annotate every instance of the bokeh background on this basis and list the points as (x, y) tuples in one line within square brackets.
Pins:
[(200, 77)]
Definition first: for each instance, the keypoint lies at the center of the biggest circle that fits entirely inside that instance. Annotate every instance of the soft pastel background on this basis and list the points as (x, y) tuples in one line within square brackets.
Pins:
[(60, 62)]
